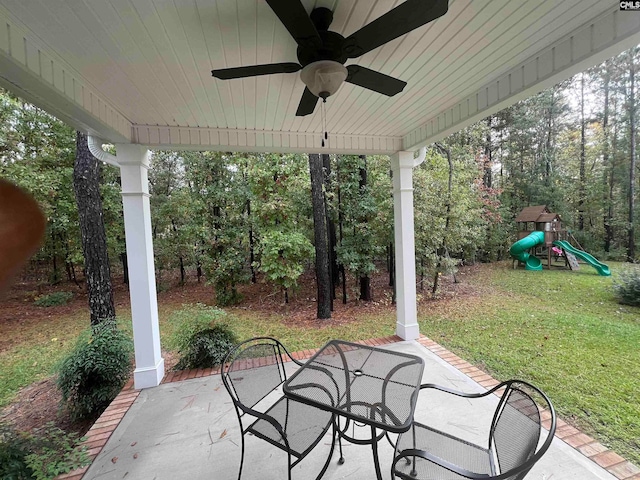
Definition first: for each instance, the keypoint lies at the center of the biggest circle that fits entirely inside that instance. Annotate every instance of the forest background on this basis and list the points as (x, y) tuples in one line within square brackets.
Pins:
[(230, 218)]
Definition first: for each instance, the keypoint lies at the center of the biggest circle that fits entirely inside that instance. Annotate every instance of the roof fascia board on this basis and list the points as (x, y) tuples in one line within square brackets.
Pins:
[(237, 140)]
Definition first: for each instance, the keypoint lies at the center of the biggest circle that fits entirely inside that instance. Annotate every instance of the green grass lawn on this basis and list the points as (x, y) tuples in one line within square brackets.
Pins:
[(561, 330)]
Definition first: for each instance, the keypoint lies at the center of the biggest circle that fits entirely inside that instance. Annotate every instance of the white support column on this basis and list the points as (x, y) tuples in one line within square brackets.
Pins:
[(134, 163), (402, 164)]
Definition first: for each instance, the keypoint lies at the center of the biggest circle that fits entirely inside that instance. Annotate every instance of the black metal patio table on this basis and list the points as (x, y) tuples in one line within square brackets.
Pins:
[(364, 384)]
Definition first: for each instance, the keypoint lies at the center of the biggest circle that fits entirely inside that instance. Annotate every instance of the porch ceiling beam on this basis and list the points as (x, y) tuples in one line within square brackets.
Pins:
[(36, 74), (586, 46), (183, 138)]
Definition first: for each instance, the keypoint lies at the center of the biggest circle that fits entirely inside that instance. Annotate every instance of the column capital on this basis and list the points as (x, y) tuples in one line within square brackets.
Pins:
[(132, 154), (402, 159)]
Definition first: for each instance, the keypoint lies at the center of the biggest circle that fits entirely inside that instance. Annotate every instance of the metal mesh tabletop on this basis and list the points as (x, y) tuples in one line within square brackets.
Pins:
[(367, 384)]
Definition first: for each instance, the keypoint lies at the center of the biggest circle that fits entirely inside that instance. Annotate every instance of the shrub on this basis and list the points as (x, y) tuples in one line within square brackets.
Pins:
[(54, 299), (627, 287), (41, 455), (14, 449), (95, 371), (201, 336), (55, 452)]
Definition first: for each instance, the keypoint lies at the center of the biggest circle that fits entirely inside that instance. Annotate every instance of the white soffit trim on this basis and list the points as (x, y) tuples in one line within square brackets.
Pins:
[(179, 138), (42, 78), (586, 46)]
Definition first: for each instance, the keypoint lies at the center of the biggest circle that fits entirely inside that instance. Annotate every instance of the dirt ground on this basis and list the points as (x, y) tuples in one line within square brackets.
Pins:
[(38, 403)]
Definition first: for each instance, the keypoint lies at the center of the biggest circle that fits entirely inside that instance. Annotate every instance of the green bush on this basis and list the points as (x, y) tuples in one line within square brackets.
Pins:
[(627, 286), (95, 371), (41, 455), (201, 336), (54, 299), (14, 449)]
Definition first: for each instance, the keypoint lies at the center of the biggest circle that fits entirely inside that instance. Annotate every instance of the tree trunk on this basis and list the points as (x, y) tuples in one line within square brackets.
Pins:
[(331, 228), (443, 249), (487, 175), (581, 186), (631, 246), (125, 267), (608, 202), (365, 281), (340, 226), (86, 185), (252, 255), (323, 279)]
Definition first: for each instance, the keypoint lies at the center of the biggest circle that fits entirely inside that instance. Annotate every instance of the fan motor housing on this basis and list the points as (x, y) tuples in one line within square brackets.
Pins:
[(331, 49)]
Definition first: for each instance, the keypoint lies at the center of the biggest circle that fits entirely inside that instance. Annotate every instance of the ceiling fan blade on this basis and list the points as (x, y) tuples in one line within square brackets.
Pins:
[(295, 18), (376, 81), (307, 103), (255, 70), (406, 17)]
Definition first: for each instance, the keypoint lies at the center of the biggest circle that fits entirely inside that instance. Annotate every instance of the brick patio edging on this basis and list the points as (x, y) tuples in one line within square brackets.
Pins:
[(99, 433)]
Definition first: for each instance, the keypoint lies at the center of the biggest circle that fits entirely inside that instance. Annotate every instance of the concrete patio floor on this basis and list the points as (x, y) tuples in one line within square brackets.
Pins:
[(188, 429)]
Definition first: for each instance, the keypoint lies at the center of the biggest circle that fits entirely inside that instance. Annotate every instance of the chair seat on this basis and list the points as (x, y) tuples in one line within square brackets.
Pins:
[(451, 449), (303, 425)]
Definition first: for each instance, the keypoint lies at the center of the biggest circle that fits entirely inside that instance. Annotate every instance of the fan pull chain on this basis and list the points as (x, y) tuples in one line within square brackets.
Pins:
[(323, 115)]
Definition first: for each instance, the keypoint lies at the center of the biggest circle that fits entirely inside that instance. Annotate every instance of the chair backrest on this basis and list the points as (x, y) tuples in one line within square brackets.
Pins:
[(253, 369), (517, 427)]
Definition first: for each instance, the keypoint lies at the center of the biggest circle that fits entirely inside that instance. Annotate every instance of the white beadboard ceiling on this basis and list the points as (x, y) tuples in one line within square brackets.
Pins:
[(139, 70)]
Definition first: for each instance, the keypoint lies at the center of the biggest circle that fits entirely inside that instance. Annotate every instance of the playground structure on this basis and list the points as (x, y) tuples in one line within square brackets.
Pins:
[(539, 231)]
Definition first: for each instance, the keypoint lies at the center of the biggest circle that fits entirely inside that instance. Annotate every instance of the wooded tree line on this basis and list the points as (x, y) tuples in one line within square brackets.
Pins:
[(234, 217)]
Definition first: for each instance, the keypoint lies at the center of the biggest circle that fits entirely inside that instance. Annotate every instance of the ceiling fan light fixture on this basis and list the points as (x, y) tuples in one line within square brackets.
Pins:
[(324, 77)]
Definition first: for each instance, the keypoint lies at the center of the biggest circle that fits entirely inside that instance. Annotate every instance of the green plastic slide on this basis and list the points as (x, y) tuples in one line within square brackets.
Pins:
[(519, 250), (600, 267)]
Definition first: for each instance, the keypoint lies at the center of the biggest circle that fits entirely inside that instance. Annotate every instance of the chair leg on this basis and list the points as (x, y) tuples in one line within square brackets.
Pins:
[(289, 461), (241, 452), (333, 446), (413, 472)]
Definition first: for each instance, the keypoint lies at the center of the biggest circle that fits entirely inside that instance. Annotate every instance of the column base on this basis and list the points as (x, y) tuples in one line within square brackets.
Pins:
[(148, 377), (408, 332)]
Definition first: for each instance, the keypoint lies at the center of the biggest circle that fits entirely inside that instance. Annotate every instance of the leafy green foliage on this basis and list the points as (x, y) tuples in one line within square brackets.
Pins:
[(55, 452), (451, 222), (14, 448), (95, 371), (41, 455), (54, 299), (280, 195), (627, 286), (357, 209), (201, 336), (282, 256), (214, 179)]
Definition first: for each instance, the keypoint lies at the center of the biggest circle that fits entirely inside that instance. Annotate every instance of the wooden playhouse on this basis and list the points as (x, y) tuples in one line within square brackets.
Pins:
[(539, 218)]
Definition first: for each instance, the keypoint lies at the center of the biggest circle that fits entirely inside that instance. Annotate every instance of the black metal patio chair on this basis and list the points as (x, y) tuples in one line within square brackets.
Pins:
[(513, 445), (251, 373)]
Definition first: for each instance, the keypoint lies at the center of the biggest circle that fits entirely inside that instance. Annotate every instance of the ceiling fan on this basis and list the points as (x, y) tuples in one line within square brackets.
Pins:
[(322, 53)]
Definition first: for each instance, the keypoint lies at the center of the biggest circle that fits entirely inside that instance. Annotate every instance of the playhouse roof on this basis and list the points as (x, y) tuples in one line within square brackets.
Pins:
[(531, 214), (548, 217)]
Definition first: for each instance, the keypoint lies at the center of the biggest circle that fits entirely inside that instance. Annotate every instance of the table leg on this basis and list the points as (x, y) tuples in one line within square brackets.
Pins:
[(374, 447), (336, 426)]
